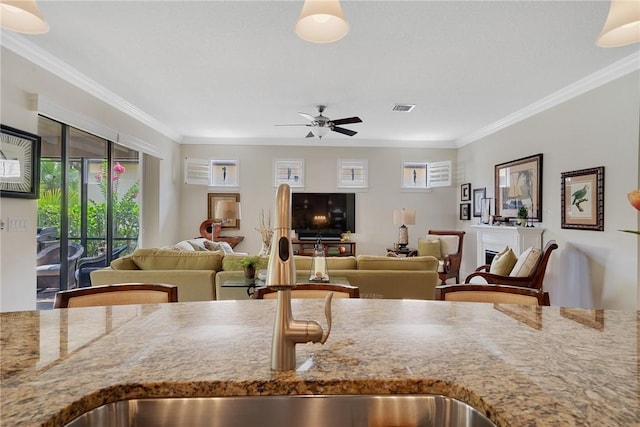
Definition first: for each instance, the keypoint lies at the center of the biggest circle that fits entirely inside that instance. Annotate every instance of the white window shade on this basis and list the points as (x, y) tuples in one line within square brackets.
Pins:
[(439, 174), (197, 171)]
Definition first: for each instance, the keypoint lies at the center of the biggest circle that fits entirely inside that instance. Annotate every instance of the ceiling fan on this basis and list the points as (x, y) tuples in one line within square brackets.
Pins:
[(321, 125)]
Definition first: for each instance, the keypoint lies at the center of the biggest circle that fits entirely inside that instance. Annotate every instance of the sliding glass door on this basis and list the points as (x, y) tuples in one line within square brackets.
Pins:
[(88, 212)]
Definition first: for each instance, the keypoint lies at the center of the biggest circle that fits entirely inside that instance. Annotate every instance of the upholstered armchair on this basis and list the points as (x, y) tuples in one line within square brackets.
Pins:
[(446, 245)]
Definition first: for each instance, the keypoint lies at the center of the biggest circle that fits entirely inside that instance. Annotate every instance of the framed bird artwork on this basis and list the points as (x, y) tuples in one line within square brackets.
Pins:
[(582, 199)]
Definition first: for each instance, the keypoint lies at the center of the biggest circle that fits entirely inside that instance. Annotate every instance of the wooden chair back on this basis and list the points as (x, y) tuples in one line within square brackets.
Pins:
[(453, 261), (313, 290), (497, 294), (120, 294)]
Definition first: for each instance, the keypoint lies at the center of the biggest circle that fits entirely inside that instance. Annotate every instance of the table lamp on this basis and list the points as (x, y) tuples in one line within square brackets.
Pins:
[(404, 217), (227, 211)]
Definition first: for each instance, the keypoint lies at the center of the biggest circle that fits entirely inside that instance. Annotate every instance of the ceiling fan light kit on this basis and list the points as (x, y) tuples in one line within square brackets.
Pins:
[(623, 24), (22, 16), (321, 125), (321, 21)]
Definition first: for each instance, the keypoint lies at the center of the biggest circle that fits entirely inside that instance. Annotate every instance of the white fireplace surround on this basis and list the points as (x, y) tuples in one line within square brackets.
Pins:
[(495, 238)]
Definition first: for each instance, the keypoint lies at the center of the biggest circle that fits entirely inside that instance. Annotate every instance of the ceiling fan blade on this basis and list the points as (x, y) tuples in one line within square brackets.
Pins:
[(308, 116), (347, 120), (310, 135), (344, 131)]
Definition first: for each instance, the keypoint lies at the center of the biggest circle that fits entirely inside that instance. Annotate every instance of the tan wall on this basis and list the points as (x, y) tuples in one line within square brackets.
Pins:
[(599, 128)]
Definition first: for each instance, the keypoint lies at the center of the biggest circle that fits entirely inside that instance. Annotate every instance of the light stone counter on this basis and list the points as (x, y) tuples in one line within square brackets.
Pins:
[(521, 366)]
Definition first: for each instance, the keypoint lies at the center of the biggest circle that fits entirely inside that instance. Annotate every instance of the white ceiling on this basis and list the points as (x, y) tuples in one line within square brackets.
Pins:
[(234, 69)]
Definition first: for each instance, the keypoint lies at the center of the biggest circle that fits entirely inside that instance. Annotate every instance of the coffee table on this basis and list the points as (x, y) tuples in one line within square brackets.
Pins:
[(243, 288)]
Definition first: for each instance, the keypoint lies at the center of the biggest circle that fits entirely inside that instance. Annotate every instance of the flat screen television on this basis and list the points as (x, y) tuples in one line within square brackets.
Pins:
[(324, 214)]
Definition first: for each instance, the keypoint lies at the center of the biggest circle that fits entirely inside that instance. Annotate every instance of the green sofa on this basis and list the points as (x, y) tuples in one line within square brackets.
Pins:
[(200, 275)]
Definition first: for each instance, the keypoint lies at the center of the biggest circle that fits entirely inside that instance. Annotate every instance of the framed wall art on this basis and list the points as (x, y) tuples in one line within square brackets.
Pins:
[(19, 163), (224, 173), (465, 192), (289, 172), (353, 174), (213, 198), (465, 211), (478, 195), (582, 199), (519, 183)]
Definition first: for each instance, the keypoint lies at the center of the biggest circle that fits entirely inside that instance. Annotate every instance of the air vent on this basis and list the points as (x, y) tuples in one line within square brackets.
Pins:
[(404, 108)]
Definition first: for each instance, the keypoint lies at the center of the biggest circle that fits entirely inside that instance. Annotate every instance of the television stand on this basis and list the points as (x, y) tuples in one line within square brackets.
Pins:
[(331, 247)]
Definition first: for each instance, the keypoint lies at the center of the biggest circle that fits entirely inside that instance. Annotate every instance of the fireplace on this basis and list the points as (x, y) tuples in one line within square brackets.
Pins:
[(492, 239), (489, 256)]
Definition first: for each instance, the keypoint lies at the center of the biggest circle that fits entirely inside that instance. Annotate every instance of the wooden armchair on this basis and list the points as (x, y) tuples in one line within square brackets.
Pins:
[(450, 263), (532, 281)]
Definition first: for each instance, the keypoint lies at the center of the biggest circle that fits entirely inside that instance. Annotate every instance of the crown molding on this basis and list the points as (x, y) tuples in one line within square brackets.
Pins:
[(612, 72), (31, 52), (325, 142)]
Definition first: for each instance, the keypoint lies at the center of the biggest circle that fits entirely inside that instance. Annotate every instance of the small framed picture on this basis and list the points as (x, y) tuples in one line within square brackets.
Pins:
[(224, 173), (289, 172), (19, 163), (582, 199), (465, 211), (465, 192), (478, 195)]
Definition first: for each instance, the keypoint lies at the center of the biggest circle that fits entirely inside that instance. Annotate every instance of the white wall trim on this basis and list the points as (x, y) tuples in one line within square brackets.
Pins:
[(616, 70), (326, 142), (44, 59), (50, 109)]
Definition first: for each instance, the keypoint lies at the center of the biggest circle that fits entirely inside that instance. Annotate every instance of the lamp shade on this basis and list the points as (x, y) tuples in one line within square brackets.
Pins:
[(22, 16), (623, 24), (404, 216), (228, 210), (322, 21)]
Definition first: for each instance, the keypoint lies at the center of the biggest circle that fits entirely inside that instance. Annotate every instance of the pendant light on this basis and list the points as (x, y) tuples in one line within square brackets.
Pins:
[(22, 16), (623, 24), (322, 21)]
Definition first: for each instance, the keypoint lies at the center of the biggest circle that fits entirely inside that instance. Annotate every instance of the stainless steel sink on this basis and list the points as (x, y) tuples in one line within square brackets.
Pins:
[(285, 411)]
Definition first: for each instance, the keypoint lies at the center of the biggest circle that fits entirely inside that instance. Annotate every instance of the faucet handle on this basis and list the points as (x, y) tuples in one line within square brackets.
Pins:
[(327, 314)]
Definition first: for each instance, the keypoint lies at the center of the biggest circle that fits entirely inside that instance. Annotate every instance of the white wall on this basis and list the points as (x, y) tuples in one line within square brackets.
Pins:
[(599, 128), (19, 80), (375, 230)]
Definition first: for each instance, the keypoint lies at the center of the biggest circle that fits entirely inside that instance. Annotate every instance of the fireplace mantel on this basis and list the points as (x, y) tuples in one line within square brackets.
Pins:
[(495, 238)]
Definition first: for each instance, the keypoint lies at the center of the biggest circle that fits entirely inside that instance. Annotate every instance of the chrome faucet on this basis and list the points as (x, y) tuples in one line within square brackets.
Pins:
[(281, 276)]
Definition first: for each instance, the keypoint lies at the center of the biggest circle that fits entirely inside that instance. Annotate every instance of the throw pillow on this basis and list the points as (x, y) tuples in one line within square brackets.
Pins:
[(448, 243), (218, 246), (503, 262), (527, 262), (430, 248)]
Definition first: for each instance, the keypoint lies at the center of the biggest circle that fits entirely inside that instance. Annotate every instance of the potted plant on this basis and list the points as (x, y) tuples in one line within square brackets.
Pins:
[(249, 265), (523, 214)]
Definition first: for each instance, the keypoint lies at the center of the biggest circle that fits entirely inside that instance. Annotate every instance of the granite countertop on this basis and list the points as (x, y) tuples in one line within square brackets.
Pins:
[(521, 366)]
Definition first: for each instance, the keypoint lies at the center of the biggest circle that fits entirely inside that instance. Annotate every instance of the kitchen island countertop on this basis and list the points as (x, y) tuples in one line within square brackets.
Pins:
[(521, 366)]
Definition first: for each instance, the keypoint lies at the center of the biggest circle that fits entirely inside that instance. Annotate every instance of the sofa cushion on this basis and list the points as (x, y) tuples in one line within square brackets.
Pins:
[(428, 247), (333, 263), (527, 262), (160, 259), (231, 262), (503, 262), (379, 262), (124, 263), (218, 246), (448, 243)]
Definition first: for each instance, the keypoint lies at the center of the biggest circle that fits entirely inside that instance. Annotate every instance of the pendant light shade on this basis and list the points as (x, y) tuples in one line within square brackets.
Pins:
[(623, 24), (22, 16), (322, 21)]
